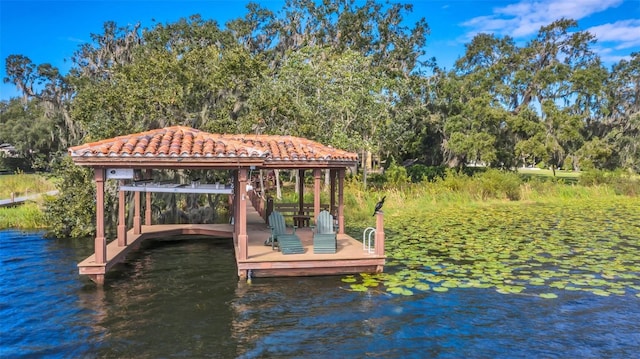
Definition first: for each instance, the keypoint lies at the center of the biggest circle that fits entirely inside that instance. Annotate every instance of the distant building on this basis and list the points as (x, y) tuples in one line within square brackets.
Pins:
[(8, 150)]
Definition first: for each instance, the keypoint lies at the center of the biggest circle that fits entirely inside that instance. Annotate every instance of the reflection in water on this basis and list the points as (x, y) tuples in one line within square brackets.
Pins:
[(171, 298), (93, 301), (182, 298)]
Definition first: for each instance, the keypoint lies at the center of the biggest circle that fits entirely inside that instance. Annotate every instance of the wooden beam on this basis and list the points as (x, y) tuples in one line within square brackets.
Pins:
[(97, 278), (316, 192), (301, 192), (100, 241), (243, 238), (316, 271), (147, 199), (122, 218), (332, 191), (137, 226), (147, 208), (206, 163), (379, 233), (236, 202), (341, 201)]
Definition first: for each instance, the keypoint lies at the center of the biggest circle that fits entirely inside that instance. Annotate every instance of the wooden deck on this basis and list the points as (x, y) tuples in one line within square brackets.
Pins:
[(117, 254), (16, 201), (262, 260)]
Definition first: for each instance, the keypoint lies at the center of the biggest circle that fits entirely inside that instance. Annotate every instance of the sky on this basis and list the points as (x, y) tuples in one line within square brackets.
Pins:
[(50, 31)]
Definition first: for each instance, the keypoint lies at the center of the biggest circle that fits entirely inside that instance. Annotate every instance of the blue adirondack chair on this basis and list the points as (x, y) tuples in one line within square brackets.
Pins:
[(325, 239), (288, 243)]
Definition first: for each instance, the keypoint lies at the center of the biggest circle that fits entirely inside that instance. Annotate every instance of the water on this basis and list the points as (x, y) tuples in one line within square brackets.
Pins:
[(182, 299)]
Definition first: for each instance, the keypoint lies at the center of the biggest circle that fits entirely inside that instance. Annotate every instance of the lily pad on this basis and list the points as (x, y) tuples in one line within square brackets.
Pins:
[(548, 295), (349, 279), (358, 288), (511, 247)]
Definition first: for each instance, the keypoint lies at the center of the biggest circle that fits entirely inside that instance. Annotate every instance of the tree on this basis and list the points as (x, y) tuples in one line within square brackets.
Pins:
[(182, 73), (72, 212), (621, 126), (334, 98), (46, 84), (33, 134)]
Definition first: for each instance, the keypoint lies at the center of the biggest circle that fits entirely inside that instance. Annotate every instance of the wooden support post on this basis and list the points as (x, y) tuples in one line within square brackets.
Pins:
[(147, 204), (243, 274), (236, 203), (97, 278), (122, 219), (137, 228), (341, 201), (243, 244), (332, 192), (147, 208), (379, 233), (100, 241), (317, 174), (301, 192)]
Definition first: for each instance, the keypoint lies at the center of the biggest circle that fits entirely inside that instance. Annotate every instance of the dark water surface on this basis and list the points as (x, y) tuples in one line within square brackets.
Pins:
[(182, 299)]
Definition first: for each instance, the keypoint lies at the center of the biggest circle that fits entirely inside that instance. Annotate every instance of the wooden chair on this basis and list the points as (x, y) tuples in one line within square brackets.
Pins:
[(325, 239), (287, 243)]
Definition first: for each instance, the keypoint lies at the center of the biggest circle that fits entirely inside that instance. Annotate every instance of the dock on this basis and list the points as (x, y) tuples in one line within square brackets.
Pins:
[(262, 261), (18, 200), (132, 159)]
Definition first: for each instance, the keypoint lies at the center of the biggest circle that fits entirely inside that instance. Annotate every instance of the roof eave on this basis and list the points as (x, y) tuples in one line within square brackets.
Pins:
[(170, 162), (206, 162)]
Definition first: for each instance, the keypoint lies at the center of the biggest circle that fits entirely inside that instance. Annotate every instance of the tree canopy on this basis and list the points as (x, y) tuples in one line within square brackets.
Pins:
[(350, 74)]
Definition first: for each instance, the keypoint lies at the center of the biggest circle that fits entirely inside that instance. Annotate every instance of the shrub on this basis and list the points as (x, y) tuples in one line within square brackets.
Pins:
[(72, 212), (376, 179), (454, 180), (396, 174), (622, 183), (626, 186), (594, 178), (419, 173), (499, 184)]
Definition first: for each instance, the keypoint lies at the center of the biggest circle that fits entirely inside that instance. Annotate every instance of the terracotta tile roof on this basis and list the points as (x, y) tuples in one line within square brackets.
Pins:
[(187, 143)]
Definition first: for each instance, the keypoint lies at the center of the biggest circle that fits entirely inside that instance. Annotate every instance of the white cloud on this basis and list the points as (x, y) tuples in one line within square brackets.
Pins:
[(608, 57), (525, 18), (76, 40), (625, 33)]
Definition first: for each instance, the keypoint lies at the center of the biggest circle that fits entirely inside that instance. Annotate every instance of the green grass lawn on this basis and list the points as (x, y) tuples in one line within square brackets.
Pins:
[(26, 216), (565, 176), (22, 184)]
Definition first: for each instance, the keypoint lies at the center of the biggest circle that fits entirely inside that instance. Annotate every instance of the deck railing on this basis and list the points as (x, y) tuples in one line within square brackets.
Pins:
[(259, 203)]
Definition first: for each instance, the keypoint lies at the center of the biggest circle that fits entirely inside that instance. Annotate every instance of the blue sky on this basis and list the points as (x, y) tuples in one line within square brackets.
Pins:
[(50, 31)]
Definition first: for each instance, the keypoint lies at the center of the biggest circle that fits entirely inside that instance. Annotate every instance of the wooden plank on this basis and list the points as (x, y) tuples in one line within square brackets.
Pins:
[(306, 272), (349, 258), (178, 188), (299, 264), (116, 254)]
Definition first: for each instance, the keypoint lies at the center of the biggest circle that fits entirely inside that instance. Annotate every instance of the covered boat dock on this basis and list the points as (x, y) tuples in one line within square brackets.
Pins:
[(181, 147)]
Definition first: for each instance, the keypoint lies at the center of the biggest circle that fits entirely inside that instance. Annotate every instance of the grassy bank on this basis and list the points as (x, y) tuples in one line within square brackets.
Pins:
[(403, 197), (22, 184), (28, 215), (426, 198)]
